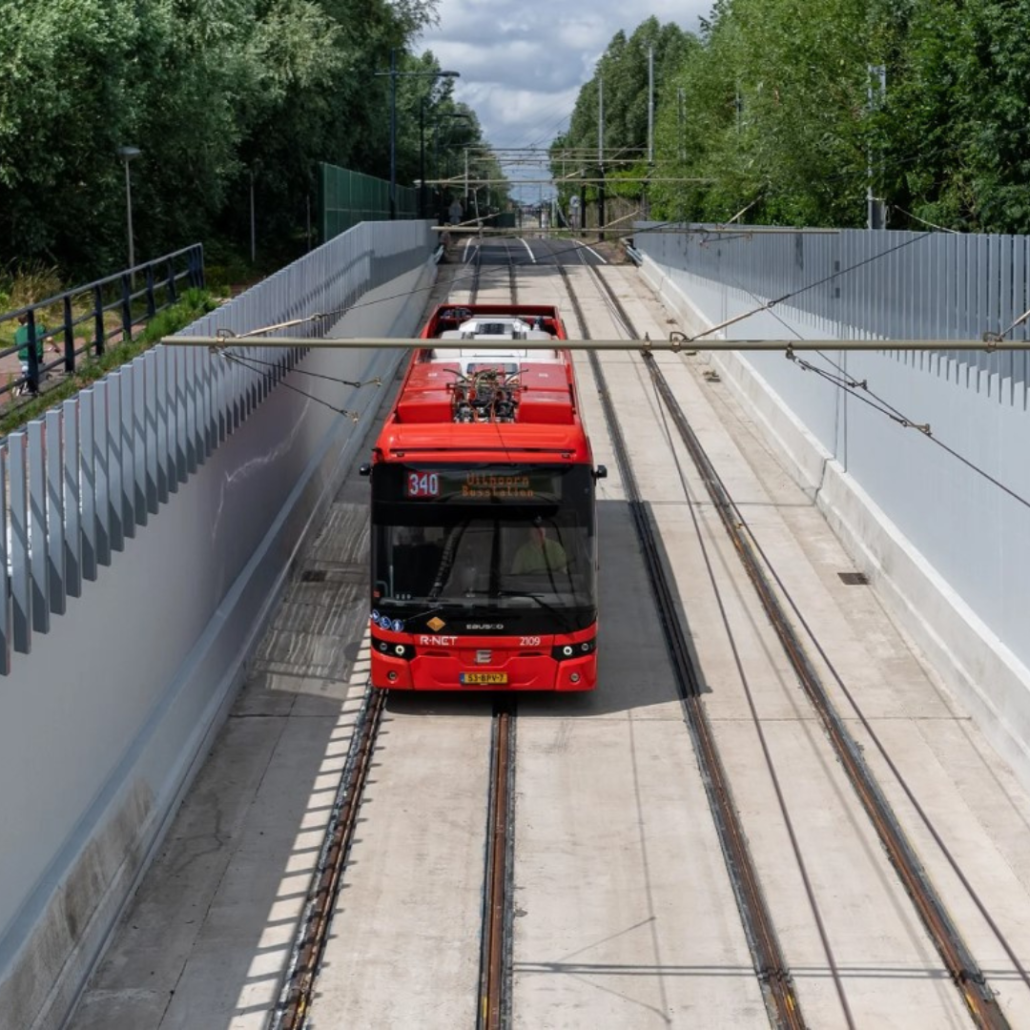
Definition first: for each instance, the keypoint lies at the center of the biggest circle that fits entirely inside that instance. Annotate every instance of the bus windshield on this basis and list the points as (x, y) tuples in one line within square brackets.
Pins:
[(484, 538), (503, 561)]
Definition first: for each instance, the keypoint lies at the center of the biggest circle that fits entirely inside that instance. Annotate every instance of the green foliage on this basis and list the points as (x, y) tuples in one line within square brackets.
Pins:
[(213, 92), (28, 282), (193, 304), (768, 110), (621, 81)]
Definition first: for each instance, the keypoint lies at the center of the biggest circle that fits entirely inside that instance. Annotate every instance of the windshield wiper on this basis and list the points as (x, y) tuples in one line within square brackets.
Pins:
[(438, 606), (557, 612)]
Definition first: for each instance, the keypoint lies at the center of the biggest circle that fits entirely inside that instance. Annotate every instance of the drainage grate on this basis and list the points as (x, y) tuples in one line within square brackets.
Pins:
[(853, 579), (313, 576)]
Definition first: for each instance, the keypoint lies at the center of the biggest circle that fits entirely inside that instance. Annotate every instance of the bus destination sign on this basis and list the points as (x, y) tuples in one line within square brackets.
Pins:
[(480, 485)]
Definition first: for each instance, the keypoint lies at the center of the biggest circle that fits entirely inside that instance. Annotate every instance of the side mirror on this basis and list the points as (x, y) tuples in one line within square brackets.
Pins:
[(601, 472), (365, 470)]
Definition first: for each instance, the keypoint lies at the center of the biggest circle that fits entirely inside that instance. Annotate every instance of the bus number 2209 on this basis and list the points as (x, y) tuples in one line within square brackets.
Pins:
[(423, 484)]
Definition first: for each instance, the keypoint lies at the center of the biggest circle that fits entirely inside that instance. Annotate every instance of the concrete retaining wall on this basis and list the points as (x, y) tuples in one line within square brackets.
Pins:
[(945, 548), (103, 729)]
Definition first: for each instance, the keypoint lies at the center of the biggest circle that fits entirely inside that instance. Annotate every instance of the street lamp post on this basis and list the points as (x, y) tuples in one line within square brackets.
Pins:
[(393, 73), (422, 157), (128, 154)]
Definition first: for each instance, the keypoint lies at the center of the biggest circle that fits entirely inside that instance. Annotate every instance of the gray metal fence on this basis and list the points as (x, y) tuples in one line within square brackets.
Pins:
[(889, 285), (75, 484)]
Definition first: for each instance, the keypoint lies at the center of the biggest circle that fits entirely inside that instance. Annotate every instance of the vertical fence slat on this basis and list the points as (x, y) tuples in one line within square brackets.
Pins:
[(148, 420), (102, 466), (165, 448), (115, 499), (56, 519), (190, 408), (200, 389), (40, 562), (72, 499), (235, 393), (136, 419), (21, 580), (88, 473), (128, 461), (208, 436), (181, 462), (218, 370)]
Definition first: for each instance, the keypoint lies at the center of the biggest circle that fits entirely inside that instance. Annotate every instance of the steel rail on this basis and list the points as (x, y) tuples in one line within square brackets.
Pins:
[(767, 956), (493, 1010), (313, 932), (494, 1001), (947, 939)]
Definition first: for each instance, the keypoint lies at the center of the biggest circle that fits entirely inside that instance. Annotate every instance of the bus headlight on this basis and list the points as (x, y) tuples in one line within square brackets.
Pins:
[(384, 647), (563, 652)]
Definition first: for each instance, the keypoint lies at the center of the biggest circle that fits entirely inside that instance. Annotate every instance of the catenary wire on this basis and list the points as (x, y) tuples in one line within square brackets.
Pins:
[(753, 708), (850, 386), (244, 362), (374, 381), (899, 778), (620, 320)]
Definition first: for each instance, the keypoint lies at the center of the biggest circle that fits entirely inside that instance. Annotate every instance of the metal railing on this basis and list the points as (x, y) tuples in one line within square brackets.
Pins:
[(135, 295), (76, 483)]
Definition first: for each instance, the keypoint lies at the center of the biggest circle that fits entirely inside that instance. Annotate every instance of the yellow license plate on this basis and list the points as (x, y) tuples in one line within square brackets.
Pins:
[(483, 679)]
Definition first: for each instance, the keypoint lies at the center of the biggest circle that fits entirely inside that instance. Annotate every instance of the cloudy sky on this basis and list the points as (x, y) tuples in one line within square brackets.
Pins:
[(522, 62)]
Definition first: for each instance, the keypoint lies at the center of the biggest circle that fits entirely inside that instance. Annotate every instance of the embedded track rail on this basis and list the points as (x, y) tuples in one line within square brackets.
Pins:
[(295, 997), (767, 956), (966, 974), (495, 956)]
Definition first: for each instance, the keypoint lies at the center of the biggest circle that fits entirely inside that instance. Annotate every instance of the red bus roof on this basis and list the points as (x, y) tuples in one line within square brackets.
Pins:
[(460, 402)]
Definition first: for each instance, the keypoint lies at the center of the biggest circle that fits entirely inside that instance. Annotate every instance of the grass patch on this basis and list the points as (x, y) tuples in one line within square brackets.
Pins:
[(191, 306)]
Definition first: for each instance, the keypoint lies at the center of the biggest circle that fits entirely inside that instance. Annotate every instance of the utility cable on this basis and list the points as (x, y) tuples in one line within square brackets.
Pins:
[(851, 387), (243, 362), (375, 381), (769, 304)]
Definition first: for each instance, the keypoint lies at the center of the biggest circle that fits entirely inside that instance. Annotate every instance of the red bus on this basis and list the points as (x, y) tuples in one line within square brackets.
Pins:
[(484, 544)]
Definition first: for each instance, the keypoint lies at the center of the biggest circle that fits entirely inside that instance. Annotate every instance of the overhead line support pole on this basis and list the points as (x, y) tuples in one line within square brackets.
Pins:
[(788, 347)]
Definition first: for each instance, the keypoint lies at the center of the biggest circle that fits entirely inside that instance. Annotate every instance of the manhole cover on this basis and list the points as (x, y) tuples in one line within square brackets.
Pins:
[(313, 576)]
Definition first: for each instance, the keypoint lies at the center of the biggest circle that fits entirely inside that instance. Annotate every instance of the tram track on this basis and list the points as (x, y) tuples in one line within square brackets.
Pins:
[(495, 958), (295, 998), (493, 1011), (767, 956), (967, 976)]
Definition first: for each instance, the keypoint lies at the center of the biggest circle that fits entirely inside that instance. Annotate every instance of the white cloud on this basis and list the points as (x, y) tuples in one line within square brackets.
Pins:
[(522, 63)]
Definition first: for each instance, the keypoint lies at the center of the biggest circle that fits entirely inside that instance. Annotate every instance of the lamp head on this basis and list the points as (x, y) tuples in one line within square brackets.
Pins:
[(128, 153)]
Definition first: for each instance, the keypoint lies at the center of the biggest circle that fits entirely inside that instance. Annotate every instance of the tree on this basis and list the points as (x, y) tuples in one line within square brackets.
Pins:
[(211, 91)]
